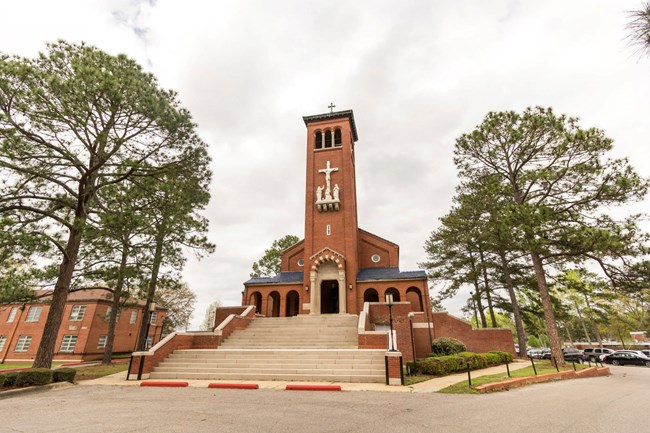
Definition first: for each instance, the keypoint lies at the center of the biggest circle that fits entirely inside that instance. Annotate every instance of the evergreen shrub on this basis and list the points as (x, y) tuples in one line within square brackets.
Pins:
[(446, 346), (448, 364), (64, 375), (34, 376), (2, 380), (10, 378)]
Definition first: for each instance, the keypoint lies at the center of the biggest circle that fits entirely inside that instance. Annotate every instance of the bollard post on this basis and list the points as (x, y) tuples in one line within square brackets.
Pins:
[(469, 375), (532, 361), (589, 362), (554, 363), (508, 368), (574, 365)]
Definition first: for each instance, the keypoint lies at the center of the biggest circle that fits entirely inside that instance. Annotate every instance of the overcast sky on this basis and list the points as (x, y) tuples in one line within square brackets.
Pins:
[(416, 73)]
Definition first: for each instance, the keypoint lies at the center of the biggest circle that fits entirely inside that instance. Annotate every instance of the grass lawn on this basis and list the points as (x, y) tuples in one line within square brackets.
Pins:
[(543, 367), (95, 371), (22, 365)]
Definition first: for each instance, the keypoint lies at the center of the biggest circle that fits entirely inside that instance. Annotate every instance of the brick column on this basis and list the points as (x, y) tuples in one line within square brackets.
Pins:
[(394, 371)]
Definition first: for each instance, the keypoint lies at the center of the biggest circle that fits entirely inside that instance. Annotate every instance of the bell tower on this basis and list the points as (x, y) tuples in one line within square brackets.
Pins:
[(331, 230)]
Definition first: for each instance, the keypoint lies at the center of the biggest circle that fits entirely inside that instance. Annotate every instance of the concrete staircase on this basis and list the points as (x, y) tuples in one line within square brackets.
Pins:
[(300, 348)]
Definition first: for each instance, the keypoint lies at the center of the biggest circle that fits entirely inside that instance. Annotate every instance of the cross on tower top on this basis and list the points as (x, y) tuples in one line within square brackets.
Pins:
[(331, 107)]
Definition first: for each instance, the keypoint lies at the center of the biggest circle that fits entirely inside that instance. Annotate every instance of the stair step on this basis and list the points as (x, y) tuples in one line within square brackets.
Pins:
[(369, 378)]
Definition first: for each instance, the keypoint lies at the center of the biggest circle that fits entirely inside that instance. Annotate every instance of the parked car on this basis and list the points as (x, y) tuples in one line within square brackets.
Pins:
[(646, 353), (596, 354), (624, 357), (570, 355), (538, 353)]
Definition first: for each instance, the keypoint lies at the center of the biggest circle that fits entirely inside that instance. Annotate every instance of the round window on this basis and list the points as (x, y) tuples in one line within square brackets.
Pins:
[(301, 262), (375, 258)]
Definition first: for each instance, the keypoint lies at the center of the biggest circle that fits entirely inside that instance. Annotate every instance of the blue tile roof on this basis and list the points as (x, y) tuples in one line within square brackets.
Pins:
[(282, 277), (369, 274)]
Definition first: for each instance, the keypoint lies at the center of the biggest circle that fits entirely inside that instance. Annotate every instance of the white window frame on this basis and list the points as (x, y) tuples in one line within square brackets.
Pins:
[(12, 314), (3, 340), (134, 317), (148, 343), (101, 343), (77, 313), (153, 318), (68, 343), (22, 345), (36, 312)]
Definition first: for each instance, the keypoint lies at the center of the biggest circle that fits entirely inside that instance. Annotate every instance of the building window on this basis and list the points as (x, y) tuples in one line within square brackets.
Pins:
[(68, 343), (328, 230), (337, 138), (319, 140), (153, 318), (107, 317), (148, 342), (3, 339), (34, 314), (134, 317), (375, 258), (22, 345), (12, 315), (77, 313), (328, 139), (101, 344), (301, 262)]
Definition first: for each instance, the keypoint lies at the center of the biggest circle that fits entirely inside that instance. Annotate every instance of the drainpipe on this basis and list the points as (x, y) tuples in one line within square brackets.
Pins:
[(13, 333)]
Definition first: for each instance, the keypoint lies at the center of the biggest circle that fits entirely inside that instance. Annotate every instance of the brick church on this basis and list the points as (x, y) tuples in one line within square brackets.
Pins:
[(337, 266), (325, 317)]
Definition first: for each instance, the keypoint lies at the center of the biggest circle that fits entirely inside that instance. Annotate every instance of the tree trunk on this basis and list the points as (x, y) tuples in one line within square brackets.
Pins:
[(568, 333), (487, 288), (117, 294), (599, 338), (46, 348), (479, 305), (516, 312), (151, 290), (547, 304), (582, 322)]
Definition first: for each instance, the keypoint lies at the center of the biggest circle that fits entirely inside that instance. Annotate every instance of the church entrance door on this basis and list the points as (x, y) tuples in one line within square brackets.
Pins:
[(329, 297)]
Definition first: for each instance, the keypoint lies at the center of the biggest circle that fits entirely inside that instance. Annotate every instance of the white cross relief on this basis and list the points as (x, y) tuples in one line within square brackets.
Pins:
[(327, 172)]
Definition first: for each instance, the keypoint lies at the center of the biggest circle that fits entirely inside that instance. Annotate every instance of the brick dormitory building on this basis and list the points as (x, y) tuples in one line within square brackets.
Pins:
[(324, 317), (83, 331)]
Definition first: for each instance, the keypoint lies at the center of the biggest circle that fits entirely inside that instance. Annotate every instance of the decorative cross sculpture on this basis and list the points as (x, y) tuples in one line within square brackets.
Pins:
[(331, 107), (327, 172)]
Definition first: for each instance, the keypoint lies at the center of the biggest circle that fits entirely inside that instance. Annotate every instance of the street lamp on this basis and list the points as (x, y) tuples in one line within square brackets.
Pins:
[(389, 301), (152, 309), (474, 305)]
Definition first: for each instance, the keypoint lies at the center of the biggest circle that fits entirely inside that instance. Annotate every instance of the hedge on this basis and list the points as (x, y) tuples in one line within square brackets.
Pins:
[(64, 375), (446, 346), (10, 378), (444, 365), (34, 376), (2, 380)]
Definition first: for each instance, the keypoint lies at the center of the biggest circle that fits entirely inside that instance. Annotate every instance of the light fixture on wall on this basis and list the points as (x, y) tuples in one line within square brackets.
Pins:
[(306, 288), (350, 286)]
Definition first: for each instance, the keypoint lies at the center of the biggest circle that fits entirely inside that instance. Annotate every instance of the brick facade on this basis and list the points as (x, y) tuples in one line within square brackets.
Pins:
[(88, 331)]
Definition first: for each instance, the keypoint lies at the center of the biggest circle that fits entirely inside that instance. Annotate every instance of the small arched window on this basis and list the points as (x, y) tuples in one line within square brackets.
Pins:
[(328, 139), (319, 140), (337, 138)]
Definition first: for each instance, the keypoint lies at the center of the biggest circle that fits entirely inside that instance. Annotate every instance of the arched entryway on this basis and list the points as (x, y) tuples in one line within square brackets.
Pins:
[(256, 299), (394, 292), (293, 304), (370, 295), (329, 297), (273, 305), (414, 296)]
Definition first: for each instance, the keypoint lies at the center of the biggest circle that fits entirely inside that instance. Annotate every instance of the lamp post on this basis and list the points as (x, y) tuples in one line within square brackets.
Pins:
[(152, 308), (474, 306), (389, 301)]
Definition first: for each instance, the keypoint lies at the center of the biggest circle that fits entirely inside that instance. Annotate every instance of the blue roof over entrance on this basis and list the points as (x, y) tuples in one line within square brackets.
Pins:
[(370, 274), (281, 278)]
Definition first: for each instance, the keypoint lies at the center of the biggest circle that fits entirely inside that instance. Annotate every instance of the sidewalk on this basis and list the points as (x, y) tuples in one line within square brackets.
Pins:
[(433, 385)]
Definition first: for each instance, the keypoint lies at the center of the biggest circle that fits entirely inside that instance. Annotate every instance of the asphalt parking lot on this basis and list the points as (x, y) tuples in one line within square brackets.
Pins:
[(618, 403)]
